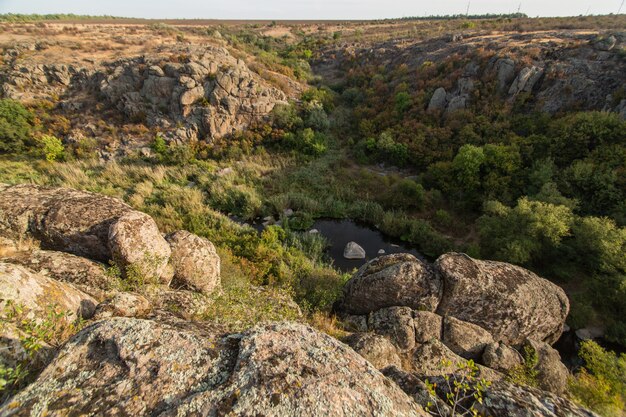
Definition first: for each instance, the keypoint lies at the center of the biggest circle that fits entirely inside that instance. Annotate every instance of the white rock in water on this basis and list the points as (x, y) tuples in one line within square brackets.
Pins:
[(353, 251), (314, 231), (381, 252), (589, 333)]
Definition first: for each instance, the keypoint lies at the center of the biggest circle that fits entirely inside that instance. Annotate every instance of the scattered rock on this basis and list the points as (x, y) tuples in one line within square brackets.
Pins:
[(122, 364), (381, 252), (392, 280), (353, 251), (195, 261), (510, 301)]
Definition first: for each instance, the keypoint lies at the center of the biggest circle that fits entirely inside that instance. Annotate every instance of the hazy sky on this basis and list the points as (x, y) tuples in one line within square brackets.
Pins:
[(301, 9)]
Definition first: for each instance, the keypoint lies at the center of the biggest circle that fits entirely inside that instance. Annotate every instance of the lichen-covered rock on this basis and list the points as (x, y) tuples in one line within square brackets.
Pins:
[(123, 304), (507, 400), (465, 339), (143, 368), (395, 323), (37, 294), (510, 301), (417, 389), (377, 349), (427, 325), (85, 224), (552, 373), (195, 261), (501, 357), (392, 280), (87, 275), (135, 242)]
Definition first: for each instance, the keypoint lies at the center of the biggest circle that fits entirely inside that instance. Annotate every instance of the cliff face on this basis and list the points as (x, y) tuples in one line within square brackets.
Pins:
[(554, 71)]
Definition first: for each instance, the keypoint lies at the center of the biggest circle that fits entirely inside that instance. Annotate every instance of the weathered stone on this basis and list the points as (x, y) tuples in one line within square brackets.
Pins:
[(37, 294), (507, 400), (87, 275), (392, 280), (457, 103), (377, 349), (195, 261), (526, 80), (552, 374), (465, 339), (396, 323), (501, 357), (510, 301), (353, 251), (353, 323), (438, 100), (123, 304), (142, 368), (135, 242), (505, 70), (428, 326), (417, 389)]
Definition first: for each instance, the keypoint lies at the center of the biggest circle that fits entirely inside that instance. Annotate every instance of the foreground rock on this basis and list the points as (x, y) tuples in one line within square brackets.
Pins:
[(86, 275), (393, 280), (85, 224), (120, 365), (195, 261), (35, 294), (512, 302)]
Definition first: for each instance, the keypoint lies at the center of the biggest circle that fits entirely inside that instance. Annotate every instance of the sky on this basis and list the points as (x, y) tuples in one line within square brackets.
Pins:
[(302, 9)]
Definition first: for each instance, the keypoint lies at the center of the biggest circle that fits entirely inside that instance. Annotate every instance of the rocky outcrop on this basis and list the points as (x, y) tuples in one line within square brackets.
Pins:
[(552, 374), (195, 261), (36, 294), (526, 80), (122, 366), (512, 302), (85, 224), (388, 281), (438, 100), (465, 339)]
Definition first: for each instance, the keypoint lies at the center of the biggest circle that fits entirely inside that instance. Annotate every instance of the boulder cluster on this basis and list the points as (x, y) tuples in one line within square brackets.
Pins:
[(428, 319), (135, 358)]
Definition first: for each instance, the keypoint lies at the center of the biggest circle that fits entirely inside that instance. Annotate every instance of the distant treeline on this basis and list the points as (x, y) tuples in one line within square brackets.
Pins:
[(471, 16), (16, 17)]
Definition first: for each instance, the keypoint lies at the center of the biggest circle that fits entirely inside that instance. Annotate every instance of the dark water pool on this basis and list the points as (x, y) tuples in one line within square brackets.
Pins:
[(340, 232)]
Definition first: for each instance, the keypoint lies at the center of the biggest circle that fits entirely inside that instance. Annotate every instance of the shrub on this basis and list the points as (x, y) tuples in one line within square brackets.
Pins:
[(52, 148), (16, 126)]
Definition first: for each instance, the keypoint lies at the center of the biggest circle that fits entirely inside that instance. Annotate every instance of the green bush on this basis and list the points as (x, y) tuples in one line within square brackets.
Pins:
[(16, 126), (52, 148)]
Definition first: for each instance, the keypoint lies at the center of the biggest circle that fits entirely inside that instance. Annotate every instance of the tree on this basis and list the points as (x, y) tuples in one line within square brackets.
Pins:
[(16, 126), (524, 233)]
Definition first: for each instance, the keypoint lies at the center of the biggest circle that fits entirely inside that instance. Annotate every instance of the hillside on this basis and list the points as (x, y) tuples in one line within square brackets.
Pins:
[(328, 218)]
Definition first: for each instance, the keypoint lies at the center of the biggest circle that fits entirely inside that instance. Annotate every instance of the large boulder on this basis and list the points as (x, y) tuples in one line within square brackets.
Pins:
[(135, 242), (392, 280), (36, 294), (144, 368), (427, 325), (438, 100), (85, 224), (195, 261), (465, 339), (510, 301), (87, 275)]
